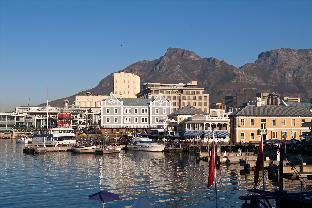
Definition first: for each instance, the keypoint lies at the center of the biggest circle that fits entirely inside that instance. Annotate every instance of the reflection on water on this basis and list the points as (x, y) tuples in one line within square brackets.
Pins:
[(66, 180)]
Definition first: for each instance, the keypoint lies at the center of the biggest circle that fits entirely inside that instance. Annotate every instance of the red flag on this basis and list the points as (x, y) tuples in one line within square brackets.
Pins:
[(259, 162), (211, 175)]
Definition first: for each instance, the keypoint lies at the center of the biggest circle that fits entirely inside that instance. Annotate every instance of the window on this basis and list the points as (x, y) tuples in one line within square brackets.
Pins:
[(164, 110), (252, 122), (156, 119), (274, 135), (136, 120), (127, 110), (107, 110), (284, 122), (242, 136), (127, 119), (144, 110), (136, 111), (144, 120), (115, 120), (293, 122), (115, 110), (252, 136), (293, 134), (242, 121), (274, 123), (157, 111), (107, 120)]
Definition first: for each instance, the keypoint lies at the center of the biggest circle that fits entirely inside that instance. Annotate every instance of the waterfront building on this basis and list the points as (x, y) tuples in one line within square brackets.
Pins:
[(126, 85), (91, 104), (192, 122), (88, 101), (134, 113), (271, 121), (180, 95)]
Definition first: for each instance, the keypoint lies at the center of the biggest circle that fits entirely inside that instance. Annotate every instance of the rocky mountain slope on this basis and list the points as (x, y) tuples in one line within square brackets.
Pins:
[(285, 71)]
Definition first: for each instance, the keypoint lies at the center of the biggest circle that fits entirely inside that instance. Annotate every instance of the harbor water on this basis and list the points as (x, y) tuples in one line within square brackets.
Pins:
[(66, 180)]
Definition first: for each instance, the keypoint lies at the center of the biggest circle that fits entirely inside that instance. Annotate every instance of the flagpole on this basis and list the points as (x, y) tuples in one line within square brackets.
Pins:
[(215, 176), (263, 176)]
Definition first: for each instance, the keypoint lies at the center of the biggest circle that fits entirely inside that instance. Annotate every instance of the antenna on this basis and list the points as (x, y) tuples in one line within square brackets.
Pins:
[(47, 109)]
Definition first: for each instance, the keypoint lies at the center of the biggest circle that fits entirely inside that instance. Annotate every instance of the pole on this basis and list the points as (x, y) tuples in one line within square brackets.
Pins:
[(281, 173), (215, 176), (263, 176)]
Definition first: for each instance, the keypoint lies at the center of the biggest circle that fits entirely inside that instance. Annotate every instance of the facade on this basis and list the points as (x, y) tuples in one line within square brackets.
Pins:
[(180, 95), (272, 122), (89, 101), (134, 113), (126, 85)]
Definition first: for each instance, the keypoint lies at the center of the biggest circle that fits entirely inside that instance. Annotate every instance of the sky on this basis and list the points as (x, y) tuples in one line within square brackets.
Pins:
[(56, 48)]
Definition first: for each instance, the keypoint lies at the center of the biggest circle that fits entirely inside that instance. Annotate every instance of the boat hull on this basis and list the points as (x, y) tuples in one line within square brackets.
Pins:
[(154, 148)]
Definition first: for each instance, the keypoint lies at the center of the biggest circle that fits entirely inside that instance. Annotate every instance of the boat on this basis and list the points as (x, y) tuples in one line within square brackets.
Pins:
[(110, 149), (54, 137), (24, 140), (145, 144), (83, 149)]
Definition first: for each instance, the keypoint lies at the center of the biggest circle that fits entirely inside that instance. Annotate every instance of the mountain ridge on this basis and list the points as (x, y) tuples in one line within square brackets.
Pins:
[(285, 71)]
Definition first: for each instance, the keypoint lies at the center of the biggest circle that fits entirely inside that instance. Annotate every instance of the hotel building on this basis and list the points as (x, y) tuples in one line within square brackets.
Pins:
[(126, 85), (273, 122), (180, 95)]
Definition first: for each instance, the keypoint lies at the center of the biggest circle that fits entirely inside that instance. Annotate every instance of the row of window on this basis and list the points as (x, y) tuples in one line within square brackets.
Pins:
[(136, 120), (274, 135), (135, 111), (263, 122)]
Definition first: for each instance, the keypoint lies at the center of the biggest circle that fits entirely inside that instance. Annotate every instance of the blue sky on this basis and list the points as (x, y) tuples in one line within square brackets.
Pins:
[(67, 46)]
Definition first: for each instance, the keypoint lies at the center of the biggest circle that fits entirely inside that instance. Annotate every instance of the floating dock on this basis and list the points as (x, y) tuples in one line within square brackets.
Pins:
[(42, 149)]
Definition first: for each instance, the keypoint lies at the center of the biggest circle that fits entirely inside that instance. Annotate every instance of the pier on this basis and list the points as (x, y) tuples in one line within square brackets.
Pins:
[(41, 149)]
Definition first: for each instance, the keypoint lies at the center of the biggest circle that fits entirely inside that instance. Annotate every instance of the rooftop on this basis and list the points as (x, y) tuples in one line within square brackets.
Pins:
[(277, 111)]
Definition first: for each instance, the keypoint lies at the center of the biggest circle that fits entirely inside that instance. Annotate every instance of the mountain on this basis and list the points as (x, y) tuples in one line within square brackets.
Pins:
[(284, 71)]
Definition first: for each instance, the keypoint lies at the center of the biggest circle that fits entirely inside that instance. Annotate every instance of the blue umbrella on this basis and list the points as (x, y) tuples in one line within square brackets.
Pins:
[(104, 196)]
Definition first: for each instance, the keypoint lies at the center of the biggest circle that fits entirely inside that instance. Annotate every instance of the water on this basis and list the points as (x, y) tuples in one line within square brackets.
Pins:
[(66, 180)]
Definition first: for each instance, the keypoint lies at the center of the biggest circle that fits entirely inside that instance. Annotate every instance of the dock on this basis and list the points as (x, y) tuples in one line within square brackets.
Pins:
[(43, 150)]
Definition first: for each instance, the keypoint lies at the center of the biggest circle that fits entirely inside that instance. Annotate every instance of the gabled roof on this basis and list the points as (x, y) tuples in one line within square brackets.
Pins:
[(187, 110), (135, 101), (275, 111)]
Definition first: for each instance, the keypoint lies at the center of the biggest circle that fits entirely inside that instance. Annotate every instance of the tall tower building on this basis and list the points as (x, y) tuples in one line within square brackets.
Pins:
[(126, 85)]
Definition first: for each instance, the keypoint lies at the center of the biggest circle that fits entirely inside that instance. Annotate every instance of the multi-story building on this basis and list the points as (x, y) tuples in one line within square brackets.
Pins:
[(180, 95), (89, 101), (91, 104), (134, 113), (273, 122), (126, 85)]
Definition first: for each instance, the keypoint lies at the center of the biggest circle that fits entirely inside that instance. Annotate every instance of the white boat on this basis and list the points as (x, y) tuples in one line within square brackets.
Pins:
[(145, 144), (84, 149), (108, 149), (54, 137), (24, 140)]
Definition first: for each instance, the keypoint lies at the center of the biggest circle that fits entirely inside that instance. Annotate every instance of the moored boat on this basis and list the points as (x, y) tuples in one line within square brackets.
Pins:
[(108, 150), (55, 137), (145, 144), (83, 149), (24, 140)]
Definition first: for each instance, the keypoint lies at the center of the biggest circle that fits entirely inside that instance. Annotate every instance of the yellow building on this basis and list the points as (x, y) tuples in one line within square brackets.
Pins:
[(272, 122), (89, 101), (126, 85)]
